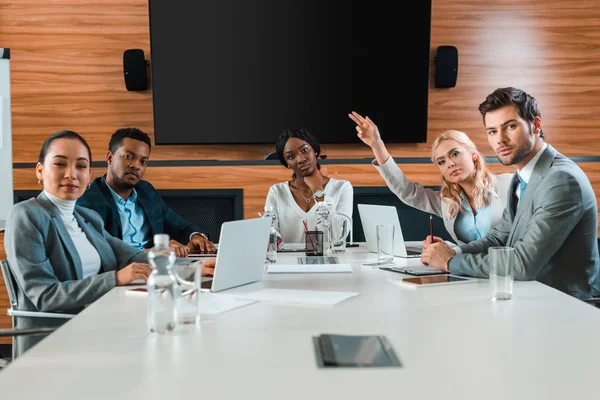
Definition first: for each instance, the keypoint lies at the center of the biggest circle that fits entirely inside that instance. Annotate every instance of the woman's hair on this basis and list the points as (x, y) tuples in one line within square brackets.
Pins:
[(482, 177), (62, 135), (299, 133)]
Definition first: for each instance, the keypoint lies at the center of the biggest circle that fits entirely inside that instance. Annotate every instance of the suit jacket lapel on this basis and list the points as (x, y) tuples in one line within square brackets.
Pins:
[(101, 246), (65, 237), (511, 198), (539, 172), (113, 206), (150, 214)]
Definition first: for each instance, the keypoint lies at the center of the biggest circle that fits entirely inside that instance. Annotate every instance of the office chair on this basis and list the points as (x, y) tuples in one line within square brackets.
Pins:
[(595, 301), (21, 332), (271, 156), (14, 312)]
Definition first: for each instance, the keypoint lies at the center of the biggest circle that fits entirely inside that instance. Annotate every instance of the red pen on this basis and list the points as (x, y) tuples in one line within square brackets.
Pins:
[(309, 237), (431, 226)]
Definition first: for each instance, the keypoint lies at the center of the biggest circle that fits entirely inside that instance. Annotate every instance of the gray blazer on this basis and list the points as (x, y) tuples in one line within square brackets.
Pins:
[(554, 230), (429, 201), (47, 267)]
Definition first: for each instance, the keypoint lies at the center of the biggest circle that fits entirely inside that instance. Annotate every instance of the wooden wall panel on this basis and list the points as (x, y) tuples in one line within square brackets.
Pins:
[(66, 70)]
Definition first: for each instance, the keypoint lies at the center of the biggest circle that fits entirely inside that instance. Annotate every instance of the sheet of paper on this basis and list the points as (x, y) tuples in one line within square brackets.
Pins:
[(216, 303), (210, 303), (308, 268), (298, 297)]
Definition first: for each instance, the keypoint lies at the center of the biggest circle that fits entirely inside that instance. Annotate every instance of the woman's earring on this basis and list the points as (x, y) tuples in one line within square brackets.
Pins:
[(89, 186)]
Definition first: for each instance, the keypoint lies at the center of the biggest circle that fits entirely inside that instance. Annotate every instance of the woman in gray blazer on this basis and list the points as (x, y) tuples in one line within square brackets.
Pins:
[(59, 253), (467, 183)]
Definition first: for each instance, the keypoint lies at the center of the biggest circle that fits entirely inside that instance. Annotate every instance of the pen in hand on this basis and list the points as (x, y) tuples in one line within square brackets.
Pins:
[(431, 227)]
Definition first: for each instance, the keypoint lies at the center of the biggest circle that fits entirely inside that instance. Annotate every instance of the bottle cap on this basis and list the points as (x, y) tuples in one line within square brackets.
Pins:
[(161, 239)]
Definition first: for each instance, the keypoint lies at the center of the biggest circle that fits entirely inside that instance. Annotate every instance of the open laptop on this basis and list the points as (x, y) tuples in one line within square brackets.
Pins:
[(242, 253), (373, 215)]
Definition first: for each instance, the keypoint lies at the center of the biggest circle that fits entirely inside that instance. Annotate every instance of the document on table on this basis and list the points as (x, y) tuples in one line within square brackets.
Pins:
[(308, 268), (298, 297), (210, 303), (216, 303)]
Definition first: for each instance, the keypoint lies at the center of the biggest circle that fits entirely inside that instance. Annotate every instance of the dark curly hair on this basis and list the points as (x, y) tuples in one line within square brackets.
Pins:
[(299, 133), (116, 140), (526, 104)]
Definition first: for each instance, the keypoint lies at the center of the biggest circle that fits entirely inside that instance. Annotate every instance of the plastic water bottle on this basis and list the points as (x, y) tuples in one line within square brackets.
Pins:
[(162, 286), (272, 246)]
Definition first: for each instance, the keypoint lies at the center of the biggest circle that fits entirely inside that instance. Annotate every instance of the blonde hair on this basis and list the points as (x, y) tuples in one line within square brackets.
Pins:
[(482, 177)]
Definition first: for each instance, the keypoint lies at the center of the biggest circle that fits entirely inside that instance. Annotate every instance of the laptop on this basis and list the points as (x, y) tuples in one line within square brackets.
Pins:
[(373, 215), (241, 256)]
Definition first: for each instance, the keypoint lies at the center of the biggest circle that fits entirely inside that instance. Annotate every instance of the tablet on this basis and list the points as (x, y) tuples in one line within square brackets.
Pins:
[(354, 351), (432, 280), (418, 270)]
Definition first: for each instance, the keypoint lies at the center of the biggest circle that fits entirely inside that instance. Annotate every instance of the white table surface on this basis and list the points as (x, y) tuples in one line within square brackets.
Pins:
[(453, 342)]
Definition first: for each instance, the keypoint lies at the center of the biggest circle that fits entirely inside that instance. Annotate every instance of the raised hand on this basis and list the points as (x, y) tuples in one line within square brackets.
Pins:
[(369, 134), (367, 130)]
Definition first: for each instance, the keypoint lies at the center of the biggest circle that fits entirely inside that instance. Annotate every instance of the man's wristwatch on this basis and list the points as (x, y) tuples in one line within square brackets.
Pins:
[(318, 193), (201, 234)]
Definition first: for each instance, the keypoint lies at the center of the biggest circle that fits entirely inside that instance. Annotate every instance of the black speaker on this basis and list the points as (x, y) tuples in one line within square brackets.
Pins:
[(134, 68), (446, 66)]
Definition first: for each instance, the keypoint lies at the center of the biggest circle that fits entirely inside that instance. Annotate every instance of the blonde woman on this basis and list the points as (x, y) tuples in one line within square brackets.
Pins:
[(471, 200)]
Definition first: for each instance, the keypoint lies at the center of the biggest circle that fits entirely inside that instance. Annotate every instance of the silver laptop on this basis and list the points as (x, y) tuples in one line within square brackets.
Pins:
[(373, 215), (242, 253)]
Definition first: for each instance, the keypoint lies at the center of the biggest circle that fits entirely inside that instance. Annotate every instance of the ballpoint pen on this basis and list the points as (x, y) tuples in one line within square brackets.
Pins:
[(431, 226)]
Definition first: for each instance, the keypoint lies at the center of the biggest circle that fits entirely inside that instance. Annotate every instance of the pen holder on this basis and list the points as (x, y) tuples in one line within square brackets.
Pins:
[(314, 243)]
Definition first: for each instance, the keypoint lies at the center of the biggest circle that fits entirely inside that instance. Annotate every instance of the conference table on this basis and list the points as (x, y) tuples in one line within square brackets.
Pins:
[(453, 343)]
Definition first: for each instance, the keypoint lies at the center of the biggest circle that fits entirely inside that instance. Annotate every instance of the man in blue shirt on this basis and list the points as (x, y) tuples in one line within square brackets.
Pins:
[(131, 208)]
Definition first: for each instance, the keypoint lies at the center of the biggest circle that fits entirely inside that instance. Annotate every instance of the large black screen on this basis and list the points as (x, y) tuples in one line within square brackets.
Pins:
[(240, 71)]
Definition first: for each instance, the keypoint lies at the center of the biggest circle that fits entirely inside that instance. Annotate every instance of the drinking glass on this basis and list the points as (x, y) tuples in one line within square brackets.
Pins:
[(502, 263), (385, 244), (189, 276), (339, 231)]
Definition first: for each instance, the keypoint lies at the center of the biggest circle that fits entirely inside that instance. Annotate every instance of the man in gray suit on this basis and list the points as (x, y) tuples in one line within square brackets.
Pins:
[(552, 215)]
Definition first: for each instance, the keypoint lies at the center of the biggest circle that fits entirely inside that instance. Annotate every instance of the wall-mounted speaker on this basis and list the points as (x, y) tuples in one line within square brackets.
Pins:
[(446, 67), (134, 69)]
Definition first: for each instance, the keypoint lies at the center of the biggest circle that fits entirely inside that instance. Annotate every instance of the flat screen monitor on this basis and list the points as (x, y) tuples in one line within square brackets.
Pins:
[(239, 71)]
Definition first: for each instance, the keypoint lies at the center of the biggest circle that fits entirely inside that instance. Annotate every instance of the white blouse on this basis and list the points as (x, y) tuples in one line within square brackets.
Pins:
[(90, 259), (337, 192)]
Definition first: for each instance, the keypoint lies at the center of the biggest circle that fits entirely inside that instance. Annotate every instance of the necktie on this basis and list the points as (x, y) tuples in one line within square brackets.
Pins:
[(523, 187)]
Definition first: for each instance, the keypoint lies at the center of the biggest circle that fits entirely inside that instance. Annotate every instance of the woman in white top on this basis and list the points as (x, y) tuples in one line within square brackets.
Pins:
[(296, 199), (471, 200)]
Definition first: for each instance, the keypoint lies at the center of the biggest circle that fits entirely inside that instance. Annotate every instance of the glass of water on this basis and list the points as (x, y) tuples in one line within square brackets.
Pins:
[(339, 231), (502, 264), (385, 244), (188, 273)]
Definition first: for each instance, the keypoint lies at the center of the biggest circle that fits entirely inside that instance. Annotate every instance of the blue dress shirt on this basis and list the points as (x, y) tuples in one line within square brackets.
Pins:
[(135, 232), (469, 227)]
